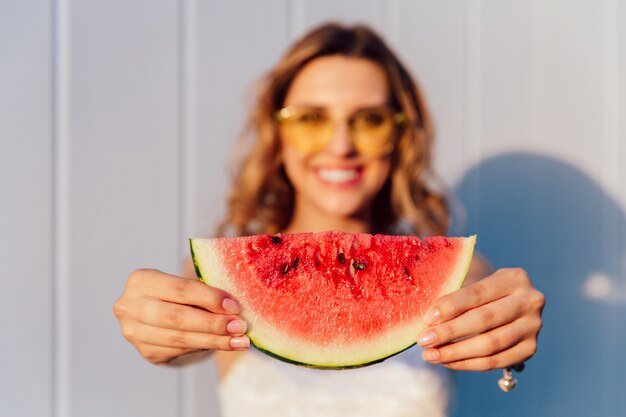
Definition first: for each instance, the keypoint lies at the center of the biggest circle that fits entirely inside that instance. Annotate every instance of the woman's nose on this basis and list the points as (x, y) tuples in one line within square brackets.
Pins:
[(340, 142)]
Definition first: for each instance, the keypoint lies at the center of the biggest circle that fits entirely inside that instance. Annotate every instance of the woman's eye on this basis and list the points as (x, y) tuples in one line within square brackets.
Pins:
[(311, 118), (371, 119)]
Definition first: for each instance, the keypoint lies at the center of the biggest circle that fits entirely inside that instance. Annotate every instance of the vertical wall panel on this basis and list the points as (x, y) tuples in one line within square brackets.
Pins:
[(506, 63), (617, 324), (26, 209), (568, 107), (621, 99), (229, 48), (612, 237), (122, 201), (432, 42), (317, 12)]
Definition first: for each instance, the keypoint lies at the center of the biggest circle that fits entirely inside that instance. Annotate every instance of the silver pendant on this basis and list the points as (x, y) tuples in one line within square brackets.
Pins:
[(507, 383)]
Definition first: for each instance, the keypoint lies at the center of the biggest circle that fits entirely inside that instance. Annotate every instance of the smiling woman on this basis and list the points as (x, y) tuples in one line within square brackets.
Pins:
[(338, 181), (341, 141), (330, 75)]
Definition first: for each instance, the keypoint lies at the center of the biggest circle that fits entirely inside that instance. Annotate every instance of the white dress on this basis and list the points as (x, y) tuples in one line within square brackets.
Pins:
[(260, 386)]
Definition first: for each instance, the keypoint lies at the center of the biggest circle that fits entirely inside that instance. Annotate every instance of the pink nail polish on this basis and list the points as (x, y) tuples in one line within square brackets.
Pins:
[(240, 342), (427, 338), (237, 327), (231, 306), (431, 316)]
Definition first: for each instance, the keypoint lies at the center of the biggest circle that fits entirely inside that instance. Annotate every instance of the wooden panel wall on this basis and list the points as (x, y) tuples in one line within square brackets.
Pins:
[(117, 120), (27, 167)]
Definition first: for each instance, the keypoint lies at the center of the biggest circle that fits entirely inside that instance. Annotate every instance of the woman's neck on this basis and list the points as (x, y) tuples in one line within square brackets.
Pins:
[(320, 222)]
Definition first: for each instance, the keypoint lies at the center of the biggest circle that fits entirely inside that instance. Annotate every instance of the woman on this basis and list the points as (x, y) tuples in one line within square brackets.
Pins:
[(342, 140)]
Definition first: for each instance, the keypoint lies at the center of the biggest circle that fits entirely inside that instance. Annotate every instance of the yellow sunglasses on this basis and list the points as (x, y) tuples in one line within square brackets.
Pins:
[(373, 131)]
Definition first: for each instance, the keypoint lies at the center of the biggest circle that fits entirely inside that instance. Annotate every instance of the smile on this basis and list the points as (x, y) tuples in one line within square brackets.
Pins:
[(339, 176)]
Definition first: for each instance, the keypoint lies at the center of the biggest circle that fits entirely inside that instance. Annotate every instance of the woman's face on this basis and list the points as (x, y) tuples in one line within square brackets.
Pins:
[(336, 181)]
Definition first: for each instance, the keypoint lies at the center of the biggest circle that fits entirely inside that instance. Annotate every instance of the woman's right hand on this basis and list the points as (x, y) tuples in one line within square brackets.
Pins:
[(166, 316)]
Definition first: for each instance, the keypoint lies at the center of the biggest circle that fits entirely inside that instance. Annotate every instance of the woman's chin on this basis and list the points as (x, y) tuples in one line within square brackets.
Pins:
[(343, 209)]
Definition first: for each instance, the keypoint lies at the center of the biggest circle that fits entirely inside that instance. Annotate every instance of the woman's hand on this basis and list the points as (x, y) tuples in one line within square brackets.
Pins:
[(165, 316), (493, 323)]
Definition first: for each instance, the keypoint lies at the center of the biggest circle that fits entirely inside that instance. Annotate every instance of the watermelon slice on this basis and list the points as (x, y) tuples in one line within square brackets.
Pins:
[(332, 299)]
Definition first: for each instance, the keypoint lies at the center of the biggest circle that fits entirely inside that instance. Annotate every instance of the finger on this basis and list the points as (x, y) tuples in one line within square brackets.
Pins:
[(160, 354), (516, 354), (478, 320), (162, 286), (486, 290), (190, 319), (486, 344), (185, 340)]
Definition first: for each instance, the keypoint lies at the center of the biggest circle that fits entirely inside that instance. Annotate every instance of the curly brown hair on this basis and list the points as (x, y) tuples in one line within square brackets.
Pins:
[(262, 199)]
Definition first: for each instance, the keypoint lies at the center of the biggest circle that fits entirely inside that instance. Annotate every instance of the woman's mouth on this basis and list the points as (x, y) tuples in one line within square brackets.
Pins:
[(339, 176)]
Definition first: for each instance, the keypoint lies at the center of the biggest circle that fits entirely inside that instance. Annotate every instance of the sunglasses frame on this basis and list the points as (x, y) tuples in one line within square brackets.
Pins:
[(399, 119)]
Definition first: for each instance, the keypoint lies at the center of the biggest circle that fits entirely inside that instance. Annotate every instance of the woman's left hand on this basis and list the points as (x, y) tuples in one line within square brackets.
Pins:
[(491, 324)]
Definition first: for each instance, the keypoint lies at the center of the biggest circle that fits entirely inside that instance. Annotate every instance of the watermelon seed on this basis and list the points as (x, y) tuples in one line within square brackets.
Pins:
[(276, 240), (285, 269), (295, 263), (408, 275), (359, 265), (341, 258)]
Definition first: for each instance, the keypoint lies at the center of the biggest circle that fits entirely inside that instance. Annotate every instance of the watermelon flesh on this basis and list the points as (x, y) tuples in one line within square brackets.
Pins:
[(333, 300)]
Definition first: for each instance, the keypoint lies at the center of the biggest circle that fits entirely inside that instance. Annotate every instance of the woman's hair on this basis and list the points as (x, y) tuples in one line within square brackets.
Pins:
[(262, 199)]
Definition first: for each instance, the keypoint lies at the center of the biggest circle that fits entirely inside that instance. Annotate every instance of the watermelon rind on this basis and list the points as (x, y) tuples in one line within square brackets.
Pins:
[(276, 343), (328, 365)]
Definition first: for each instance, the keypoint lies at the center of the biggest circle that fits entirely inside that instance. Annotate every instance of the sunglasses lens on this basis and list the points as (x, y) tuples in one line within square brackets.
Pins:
[(373, 131), (307, 130)]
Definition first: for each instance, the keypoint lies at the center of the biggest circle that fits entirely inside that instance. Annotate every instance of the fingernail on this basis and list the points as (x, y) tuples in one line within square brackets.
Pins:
[(431, 355), (427, 338), (240, 342), (431, 316), (231, 306), (237, 327)]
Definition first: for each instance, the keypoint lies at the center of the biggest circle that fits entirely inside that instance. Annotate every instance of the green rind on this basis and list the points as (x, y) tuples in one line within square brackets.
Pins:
[(195, 262), (452, 286), (312, 366)]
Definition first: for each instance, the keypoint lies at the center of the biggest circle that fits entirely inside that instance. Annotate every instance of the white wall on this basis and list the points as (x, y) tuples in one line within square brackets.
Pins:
[(117, 119)]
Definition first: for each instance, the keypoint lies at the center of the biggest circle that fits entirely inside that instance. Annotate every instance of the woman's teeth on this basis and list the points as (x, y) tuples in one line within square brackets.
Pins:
[(338, 175)]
